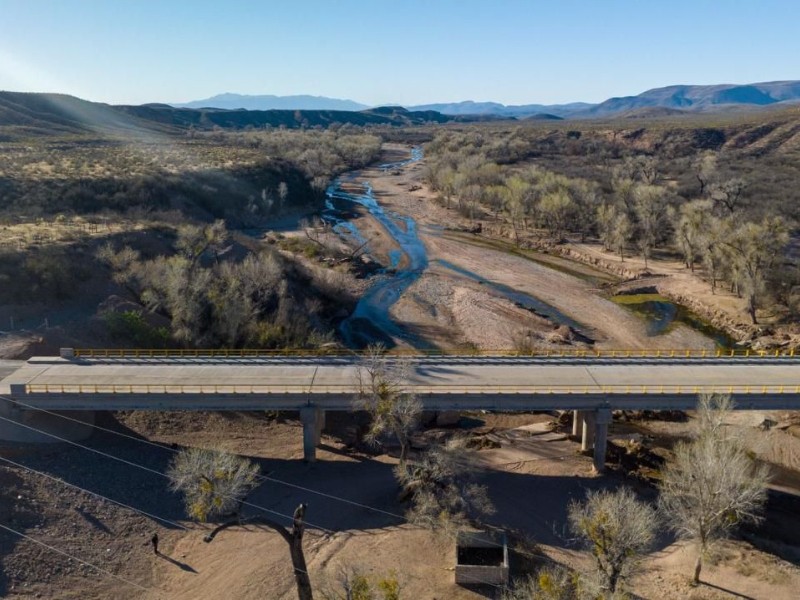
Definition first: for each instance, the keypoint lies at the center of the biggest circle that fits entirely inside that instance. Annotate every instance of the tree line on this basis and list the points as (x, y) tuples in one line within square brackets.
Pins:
[(632, 206)]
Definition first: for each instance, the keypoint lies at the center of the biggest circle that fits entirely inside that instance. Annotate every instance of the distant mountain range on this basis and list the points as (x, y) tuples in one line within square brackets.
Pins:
[(678, 98), (267, 102), (469, 107), (25, 114), (701, 98)]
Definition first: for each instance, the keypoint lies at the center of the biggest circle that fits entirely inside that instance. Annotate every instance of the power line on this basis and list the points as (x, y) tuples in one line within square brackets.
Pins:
[(261, 477), (77, 487), (153, 471), (75, 558)]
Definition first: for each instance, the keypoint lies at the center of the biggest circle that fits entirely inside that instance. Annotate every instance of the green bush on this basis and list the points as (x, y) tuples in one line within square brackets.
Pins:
[(131, 327)]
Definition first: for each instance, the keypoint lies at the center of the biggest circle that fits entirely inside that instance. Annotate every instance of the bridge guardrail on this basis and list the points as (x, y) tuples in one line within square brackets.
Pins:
[(562, 353), (48, 388)]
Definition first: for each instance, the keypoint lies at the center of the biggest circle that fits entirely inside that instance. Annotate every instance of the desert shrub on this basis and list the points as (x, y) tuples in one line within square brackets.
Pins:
[(131, 327)]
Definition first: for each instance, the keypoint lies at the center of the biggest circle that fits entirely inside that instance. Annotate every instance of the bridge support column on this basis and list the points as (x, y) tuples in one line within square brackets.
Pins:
[(602, 418), (313, 420), (577, 422), (320, 425), (587, 437)]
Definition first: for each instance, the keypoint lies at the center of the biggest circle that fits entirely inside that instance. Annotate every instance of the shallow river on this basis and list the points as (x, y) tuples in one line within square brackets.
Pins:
[(371, 322)]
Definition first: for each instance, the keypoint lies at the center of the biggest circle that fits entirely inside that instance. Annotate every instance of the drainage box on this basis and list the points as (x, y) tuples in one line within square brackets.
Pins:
[(481, 558)]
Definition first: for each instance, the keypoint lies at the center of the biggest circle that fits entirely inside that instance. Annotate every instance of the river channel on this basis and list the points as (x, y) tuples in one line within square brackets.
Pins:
[(371, 321)]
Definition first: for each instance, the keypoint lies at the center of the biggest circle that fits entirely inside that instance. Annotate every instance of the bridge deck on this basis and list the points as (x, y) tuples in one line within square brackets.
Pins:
[(200, 384)]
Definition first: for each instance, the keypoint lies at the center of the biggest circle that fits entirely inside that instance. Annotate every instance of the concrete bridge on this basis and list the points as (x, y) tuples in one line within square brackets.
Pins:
[(591, 384)]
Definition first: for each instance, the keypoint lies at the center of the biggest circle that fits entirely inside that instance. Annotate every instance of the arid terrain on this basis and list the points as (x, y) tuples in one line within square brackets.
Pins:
[(531, 467)]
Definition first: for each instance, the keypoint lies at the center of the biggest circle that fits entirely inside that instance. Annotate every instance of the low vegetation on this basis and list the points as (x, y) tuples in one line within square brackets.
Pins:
[(219, 293)]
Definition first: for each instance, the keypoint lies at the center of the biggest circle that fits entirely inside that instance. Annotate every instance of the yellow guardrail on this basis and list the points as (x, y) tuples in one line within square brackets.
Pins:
[(50, 388), (565, 353)]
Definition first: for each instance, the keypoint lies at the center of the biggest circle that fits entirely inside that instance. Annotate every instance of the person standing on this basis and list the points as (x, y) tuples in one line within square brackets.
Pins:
[(154, 541)]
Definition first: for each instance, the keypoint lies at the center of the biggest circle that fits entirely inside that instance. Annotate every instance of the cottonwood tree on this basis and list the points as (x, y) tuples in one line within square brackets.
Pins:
[(691, 223), (712, 485), (586, 198), (216, 484), (193, 240), (615, 228), (756, 248), (381, 393), (713, 252), (515, 193), (556, 209), (618, 529), (650, 204), (441, 487)]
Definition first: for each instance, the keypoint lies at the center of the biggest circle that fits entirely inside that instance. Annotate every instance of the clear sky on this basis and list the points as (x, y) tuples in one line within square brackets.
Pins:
[(397, 51)]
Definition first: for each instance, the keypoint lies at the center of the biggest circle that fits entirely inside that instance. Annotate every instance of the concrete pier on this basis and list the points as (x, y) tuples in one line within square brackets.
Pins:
[(577, 423), (602, 418), (313, 420), (587, 437)]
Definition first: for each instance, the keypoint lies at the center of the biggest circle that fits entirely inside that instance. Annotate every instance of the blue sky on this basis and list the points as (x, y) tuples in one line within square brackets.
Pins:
[(402, 51)]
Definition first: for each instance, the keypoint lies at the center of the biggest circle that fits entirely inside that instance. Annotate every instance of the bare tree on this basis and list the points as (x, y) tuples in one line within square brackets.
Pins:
[(216, 484), (706, 170), (712, 485), (441, 486), (728, 195), (618, 529), (381, 394)]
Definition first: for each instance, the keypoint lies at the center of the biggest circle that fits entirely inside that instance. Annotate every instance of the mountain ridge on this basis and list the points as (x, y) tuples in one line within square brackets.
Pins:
[(233, 101), (681, 97)]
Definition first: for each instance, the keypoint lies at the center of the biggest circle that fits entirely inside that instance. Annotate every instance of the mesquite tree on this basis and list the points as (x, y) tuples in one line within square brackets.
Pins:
[(216, 484), (441, 486), (618, 529)]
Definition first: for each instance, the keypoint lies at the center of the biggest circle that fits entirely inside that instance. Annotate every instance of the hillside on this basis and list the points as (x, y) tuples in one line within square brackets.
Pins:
[(42, 114), (701, 98), (30, 114)]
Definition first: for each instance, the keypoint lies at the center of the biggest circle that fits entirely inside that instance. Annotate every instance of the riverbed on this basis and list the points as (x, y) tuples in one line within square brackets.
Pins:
[(444, 290)]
